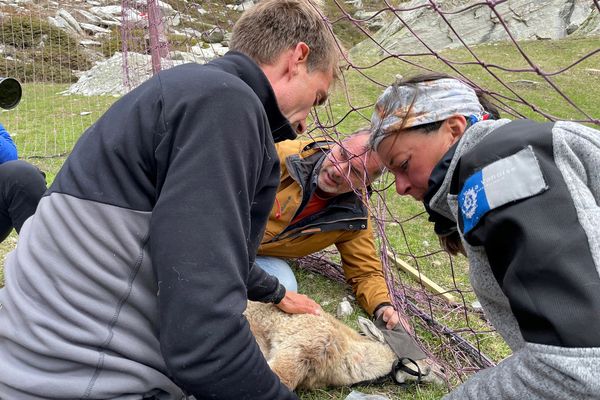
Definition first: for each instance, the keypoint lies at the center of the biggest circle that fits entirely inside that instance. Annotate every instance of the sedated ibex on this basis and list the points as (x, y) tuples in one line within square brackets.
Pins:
[(308, 351)]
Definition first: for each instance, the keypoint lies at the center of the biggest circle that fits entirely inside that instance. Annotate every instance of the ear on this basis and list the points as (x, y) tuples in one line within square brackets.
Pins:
[(299, 57), (369, 329), (456, 125)]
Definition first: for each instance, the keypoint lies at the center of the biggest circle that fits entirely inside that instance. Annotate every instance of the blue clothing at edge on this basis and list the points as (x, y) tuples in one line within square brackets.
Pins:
[(8, 150)]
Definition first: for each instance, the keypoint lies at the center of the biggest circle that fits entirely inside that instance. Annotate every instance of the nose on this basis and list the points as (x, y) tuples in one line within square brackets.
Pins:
[(301, 127), (335, 173), (402, 185)]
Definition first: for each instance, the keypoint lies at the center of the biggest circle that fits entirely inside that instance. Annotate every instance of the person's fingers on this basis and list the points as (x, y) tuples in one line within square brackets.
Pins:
[(392, 318), (309, 305), (393, 321), (295, 303)]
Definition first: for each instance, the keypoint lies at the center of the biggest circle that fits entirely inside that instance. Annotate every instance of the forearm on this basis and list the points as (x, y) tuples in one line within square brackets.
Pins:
[(264, 287)]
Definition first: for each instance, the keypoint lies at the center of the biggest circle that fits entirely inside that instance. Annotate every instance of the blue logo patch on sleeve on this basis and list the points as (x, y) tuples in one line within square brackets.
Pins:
[(507, 180), (473, 201)]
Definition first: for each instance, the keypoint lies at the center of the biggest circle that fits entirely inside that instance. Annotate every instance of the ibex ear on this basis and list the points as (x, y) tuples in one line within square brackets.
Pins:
[(368, 328)]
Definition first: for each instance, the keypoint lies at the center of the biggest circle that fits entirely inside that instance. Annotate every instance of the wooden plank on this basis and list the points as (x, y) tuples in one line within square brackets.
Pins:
[(419, 277)]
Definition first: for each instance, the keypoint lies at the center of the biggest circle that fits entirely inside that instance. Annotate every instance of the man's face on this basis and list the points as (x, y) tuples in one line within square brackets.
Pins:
[(304, 91), (348, 166)]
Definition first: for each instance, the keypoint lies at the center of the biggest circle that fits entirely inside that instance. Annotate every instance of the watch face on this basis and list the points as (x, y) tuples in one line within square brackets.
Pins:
[(10, 93)]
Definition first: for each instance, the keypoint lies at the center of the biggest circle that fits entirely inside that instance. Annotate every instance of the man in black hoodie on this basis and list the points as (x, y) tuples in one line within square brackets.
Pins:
[(130, 280)]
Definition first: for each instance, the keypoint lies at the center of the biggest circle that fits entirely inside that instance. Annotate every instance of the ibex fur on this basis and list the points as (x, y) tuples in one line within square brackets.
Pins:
[(308, 351)]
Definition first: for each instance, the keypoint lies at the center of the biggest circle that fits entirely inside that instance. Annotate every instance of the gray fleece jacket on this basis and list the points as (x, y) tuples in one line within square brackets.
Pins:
[(525, 198), (131, 279)]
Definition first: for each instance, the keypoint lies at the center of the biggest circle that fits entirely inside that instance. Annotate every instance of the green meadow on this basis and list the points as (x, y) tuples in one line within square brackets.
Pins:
[(47, 124)]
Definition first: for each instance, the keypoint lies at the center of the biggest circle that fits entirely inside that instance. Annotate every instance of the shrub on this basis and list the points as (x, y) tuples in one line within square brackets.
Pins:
[(36, 51)]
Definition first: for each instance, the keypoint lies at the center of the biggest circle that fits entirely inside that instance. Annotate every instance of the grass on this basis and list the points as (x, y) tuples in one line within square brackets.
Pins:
[(580, 83), (46, 125)]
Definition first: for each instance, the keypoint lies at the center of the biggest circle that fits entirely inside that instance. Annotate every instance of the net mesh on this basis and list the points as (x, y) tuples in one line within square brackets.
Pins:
[(75, 58)]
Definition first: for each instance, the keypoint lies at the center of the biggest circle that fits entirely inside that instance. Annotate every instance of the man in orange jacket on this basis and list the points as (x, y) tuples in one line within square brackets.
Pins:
[(322, 201)]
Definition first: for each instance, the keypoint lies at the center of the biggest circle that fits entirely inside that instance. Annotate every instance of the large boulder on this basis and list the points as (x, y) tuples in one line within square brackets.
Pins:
[(100, 79), (473, 22)]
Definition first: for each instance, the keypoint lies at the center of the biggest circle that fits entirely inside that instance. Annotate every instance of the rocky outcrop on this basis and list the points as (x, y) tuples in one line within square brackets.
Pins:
[(474, 22), (100, 79)]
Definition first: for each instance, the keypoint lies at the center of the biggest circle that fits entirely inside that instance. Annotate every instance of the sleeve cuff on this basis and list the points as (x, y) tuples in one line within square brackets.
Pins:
[(277, 295), (381, 305)]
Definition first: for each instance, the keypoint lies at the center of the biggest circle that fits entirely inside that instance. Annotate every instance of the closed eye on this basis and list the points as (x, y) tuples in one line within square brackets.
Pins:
[(404, 166)]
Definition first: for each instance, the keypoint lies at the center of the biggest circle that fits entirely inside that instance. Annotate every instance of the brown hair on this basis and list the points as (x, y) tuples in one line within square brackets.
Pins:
[(452, 244), (271, 27)]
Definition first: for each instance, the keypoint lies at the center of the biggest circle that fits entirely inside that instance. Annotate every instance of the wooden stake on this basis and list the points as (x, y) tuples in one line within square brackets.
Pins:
[(419, 277)]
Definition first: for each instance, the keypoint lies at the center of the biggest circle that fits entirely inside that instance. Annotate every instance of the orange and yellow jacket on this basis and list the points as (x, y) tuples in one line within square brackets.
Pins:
[(344, 223)]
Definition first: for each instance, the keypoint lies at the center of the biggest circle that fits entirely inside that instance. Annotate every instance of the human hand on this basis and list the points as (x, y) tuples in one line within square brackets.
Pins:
[(391, 317), (296, 303)]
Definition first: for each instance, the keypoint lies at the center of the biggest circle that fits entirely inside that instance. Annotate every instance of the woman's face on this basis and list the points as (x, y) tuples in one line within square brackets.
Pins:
[(411, 156)]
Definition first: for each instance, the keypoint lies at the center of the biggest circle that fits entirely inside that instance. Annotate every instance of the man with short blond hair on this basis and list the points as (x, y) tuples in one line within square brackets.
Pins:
[(289, 26), (131, 279)]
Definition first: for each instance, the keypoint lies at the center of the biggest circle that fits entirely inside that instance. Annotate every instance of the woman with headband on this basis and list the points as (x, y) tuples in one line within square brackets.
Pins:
[(521, 200)]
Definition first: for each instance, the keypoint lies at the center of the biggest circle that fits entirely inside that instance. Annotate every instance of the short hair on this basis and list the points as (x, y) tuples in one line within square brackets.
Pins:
[(271, 27)]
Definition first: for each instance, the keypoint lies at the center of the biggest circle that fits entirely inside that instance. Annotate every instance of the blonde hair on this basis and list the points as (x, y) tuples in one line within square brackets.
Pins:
[(271, 27)]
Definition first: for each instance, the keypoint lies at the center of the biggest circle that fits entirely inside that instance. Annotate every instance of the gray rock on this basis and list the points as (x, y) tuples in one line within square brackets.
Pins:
[(191, 32), (100, 79), (371, 18), (166, 9), (204, 55), (177, 55), (243, 6), (93, 29), (89, 43), (213, 36), (173, 20), (344, 309), (355, 3), (59, 23), (70, 20), (113, 13), (89, 16), (526, 19), (356, 395), (103, 11), (107, 23)]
